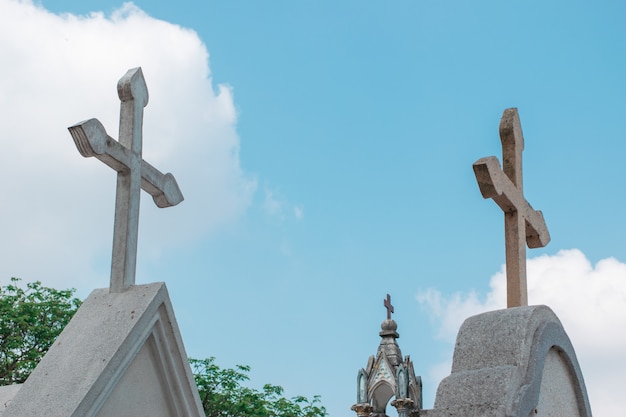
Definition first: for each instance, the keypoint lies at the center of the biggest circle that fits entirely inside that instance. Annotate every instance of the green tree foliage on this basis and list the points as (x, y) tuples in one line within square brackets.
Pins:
[(30, 320), (223, 395)]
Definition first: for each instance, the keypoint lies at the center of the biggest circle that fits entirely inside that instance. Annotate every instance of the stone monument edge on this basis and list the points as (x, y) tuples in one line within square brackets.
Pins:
[(509, 385), (85, 362), (550, 336)]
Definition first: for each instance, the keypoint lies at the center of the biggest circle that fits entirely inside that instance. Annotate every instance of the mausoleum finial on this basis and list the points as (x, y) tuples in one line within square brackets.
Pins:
[(522, 224), (387, 376), (133, 173)]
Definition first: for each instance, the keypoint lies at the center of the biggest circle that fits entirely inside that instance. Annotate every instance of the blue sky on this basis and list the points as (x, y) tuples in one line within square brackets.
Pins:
[(326, 150)]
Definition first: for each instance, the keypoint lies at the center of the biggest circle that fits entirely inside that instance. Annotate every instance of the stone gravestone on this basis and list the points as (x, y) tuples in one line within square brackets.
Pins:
[(122, 353), (517, 362)]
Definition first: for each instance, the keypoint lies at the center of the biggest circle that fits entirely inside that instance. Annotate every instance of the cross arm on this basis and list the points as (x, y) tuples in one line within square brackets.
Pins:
[(163, 188), (493, 183), (91, 139)]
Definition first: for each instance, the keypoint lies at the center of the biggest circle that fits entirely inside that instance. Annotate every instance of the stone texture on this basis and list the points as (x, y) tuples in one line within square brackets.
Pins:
[(121, 355), (522, 223), (133, 173), (557, 396), (7, 393), (513, 363)]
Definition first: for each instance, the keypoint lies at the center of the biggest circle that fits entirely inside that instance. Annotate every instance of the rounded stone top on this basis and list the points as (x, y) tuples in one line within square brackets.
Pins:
[(389, 324), (388, 328)]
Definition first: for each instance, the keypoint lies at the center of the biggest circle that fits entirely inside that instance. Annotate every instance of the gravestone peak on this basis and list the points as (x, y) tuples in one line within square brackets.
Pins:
[(522, 224), (133, 173)]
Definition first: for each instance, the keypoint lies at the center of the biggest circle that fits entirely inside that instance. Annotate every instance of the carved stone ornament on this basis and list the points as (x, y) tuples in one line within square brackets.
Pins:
[(388, 376)]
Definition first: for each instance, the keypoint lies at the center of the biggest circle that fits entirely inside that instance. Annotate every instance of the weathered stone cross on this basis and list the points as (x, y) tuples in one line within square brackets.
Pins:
[(388, 306), (133, 173), (522, 224)]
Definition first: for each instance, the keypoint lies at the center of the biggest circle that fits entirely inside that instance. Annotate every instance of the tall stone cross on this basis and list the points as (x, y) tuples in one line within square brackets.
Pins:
[(133, 173), (522, 224), (388, 306)]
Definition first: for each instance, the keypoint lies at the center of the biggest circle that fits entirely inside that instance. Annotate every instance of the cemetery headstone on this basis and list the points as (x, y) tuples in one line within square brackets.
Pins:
[(122, 353), (516, 362), (522, 224)]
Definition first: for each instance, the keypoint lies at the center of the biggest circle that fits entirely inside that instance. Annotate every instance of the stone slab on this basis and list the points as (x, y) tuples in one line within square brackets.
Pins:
[(7, 393), (516, 362), (120, 355)]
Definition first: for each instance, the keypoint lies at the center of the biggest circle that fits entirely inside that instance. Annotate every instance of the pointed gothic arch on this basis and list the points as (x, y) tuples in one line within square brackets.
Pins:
[(388, 378)]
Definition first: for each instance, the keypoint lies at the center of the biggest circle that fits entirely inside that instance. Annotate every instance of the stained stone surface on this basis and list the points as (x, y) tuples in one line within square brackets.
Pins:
[(517, 362)]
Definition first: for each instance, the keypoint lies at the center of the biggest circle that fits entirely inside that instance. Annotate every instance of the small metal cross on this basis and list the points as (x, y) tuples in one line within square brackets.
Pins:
[(388, 306), (133, 173), (522, 224)]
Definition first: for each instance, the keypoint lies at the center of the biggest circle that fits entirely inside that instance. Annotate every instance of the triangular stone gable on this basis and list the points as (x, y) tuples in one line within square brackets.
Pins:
[(121, 355), (382, 369), (383, 372)]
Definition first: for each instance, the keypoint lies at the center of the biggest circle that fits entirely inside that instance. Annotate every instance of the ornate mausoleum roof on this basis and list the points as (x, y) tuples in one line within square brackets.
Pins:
[(387, 375)]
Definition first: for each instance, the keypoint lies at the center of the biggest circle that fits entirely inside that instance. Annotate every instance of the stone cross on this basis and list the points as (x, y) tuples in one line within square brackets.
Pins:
[(522, 224), (133, 173), (388, 306)]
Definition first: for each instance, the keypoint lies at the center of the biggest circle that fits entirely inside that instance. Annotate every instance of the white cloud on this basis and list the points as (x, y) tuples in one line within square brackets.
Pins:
[(274, 205), (57, 208), (298, 212), (277, 206), (590, 302)]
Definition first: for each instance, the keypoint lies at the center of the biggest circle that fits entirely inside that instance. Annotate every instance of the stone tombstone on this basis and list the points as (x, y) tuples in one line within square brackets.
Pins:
[(122, 353), (516, 362)]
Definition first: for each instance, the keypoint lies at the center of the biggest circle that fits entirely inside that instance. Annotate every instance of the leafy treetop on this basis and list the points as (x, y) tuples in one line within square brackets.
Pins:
[(32, 318), (222, 395)]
